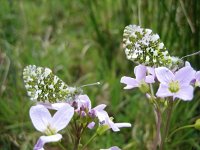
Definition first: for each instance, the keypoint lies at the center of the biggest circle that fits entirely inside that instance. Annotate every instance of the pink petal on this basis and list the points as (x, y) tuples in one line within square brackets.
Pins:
[(40, 117), (99, 107), (62, 117), (112, 125), (163, 91), (164, 75), (197, 76), (151, 71), (91, 125), (140, 72), (46, 139), (54, 106), (149, 79), (130, 82), (83, 100), (112, 148), (185, 75), (102, 115), (185, 93)]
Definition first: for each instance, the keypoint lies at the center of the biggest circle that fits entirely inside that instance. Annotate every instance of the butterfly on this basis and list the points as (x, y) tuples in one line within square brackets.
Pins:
[(142, 46), (42, 85)]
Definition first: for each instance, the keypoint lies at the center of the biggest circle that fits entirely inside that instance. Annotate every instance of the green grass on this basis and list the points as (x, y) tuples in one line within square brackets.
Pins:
[(81, 41)]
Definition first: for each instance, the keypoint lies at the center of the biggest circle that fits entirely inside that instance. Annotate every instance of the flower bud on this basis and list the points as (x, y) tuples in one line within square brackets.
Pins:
[(144, 87), (197, 124)]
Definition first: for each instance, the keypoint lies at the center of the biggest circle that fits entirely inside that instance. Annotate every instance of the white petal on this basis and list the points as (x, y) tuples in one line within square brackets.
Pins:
[(40, 117), (185, 93), (164, 75), (123, 125), (62, 117), (46, 139), (163, 91), (102, 115)]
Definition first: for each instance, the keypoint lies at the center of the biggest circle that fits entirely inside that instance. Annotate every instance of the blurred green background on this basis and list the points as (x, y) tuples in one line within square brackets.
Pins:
[(81, 41)]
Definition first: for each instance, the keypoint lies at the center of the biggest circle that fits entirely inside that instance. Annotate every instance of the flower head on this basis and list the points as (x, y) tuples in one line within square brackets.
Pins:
[(141, 78), (112, 148), (105, 120), (48, 125), (176, 84)]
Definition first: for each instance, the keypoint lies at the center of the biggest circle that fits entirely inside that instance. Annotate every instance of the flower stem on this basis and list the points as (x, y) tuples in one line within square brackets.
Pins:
[(166, 130), (180, 128), (158, 126), (90, 140)]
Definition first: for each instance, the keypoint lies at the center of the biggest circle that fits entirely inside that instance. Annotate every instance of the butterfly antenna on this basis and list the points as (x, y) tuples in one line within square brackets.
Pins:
[(196, 53), (92, 84)]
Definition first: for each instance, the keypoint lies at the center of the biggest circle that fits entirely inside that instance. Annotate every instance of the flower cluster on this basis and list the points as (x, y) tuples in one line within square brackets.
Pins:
[(177, 84)]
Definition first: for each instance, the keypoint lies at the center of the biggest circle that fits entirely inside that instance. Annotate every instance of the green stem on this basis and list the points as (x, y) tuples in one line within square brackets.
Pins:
[(169, 112), (158, 118), (180, 128), (61, 146), (90, 140)]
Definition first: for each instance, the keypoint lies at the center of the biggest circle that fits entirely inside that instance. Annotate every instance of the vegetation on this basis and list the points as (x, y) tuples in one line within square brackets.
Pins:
[(81, 41)]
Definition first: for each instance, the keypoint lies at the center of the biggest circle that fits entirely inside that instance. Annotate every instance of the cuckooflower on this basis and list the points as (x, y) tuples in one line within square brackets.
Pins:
[(141, 78), (48, 125), (175, 84), (112, 148), (104, 119)]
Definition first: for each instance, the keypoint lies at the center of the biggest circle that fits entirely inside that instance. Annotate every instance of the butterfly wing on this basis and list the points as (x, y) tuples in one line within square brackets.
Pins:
[(144, 47), (42, 85)]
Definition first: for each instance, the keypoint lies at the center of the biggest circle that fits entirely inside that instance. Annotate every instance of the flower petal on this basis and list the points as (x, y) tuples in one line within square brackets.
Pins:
[(40, 117), (164, 75), (54, 106), (123, 125), (112, 125), (91, 125), (140, 72), (150, 79), (62, 117), (185, 75), (83, 100), (130, 82), (185, 93), (46, 139), (163, 91), (99, 107), (197, 76), (112, 148)]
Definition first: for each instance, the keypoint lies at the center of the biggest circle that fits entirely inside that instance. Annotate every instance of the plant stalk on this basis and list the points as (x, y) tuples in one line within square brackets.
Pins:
[(166, 130)]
